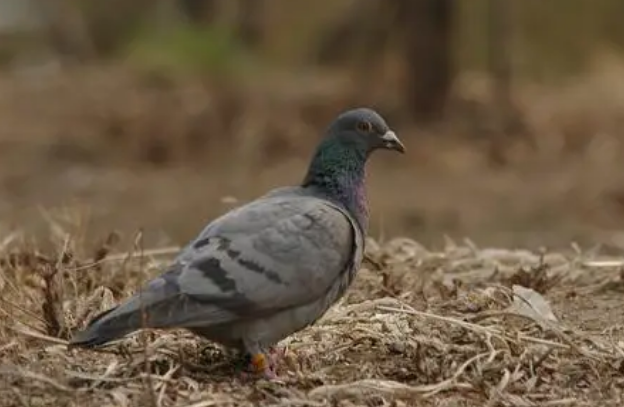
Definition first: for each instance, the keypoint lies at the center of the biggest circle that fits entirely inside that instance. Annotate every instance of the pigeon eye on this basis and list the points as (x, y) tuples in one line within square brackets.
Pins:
[(365, 126)]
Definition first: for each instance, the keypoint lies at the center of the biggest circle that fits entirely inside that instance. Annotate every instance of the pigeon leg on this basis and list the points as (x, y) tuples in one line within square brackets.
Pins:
[(266, 363), (261, 363)]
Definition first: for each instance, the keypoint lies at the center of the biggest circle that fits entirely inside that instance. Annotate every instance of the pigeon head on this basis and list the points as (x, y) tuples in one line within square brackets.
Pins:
[(337, 169), (365, 131)]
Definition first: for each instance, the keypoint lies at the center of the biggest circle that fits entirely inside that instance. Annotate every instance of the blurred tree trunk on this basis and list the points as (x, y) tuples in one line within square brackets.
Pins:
[(250, 22), (200, 12), (249, 17), (360, 32), (428, 26), (507, 121), (499, 58), (112, 22), (67, 28)]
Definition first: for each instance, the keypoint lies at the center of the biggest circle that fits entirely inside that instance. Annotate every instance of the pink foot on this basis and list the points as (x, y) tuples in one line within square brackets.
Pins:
[(262, 364)]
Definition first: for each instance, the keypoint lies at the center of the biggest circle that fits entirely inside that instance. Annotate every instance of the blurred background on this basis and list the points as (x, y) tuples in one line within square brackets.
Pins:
[(119, 115)]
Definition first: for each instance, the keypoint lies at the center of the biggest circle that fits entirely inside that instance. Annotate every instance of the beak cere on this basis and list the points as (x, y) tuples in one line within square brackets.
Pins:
[(392, 142)]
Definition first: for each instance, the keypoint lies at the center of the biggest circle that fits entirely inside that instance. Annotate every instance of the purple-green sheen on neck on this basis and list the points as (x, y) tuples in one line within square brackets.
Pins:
[(339, 172)]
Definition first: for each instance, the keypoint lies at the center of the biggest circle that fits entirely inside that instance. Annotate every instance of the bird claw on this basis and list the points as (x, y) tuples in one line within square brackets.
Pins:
[(260, 365), (265, 363)]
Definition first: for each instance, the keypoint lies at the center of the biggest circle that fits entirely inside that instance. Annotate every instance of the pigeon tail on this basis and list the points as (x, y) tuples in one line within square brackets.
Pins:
[(103, 329)]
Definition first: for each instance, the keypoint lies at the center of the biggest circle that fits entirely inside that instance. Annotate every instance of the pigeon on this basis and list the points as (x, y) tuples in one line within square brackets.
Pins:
[(271, 267)]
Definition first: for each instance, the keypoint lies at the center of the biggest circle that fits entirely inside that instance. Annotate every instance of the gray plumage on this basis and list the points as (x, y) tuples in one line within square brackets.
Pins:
[(271, 267)]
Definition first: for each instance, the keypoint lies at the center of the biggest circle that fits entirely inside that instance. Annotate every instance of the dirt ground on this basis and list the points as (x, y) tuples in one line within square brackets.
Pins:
[(417, 328), (95, 151)]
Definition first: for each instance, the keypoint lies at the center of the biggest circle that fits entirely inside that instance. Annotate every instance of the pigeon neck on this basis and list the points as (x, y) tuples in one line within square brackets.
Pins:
[(340, 174)]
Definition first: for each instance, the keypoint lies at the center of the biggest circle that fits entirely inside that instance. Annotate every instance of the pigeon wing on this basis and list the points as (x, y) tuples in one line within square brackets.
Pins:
[(281, 251)]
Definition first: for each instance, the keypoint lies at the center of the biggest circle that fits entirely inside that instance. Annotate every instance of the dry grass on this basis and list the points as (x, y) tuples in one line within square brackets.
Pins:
[(418, 328)]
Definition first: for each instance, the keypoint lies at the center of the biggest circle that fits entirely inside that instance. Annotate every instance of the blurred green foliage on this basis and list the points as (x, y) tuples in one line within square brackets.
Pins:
[(551, 39), (184, 47)]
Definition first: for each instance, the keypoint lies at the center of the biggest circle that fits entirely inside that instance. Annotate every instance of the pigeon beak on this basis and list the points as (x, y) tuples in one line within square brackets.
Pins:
[(391, 142)]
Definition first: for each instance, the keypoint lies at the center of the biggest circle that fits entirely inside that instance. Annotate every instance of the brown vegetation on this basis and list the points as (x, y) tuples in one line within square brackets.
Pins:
[(426, 328), (101, 144)]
